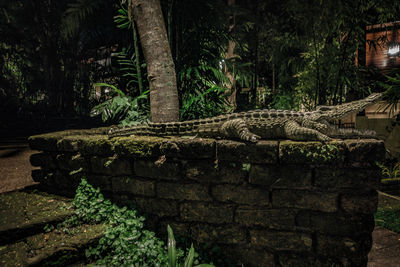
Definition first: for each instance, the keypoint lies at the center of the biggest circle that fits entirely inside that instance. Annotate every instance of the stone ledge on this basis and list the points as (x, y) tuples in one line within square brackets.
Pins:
[(94, 142), (296, 203)]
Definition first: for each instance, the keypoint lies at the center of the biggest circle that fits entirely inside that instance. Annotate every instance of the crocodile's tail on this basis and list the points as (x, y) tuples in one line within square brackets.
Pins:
[(204, 127), (145, 129)]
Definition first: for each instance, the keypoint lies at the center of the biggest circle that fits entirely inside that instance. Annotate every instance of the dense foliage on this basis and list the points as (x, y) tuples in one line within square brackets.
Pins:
[(125, 241), (229, 55), (389, 219)]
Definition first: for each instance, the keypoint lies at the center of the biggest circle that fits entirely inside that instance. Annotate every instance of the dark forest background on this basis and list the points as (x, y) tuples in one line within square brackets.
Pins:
[(76, 58)]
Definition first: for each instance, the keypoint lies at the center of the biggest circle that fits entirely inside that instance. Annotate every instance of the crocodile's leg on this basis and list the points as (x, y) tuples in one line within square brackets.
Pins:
[(320, 127), (238, 128), (296, 132)]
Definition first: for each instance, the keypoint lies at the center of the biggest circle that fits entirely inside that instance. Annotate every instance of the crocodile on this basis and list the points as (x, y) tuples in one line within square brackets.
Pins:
[(253, 125)]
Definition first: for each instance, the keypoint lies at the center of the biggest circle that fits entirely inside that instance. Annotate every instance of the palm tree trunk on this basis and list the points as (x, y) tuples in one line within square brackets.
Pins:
[(164, 103), (137, 58)]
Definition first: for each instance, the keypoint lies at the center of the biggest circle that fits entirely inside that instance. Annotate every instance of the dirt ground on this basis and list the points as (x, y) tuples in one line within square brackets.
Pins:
[(15, 173), (15, 169)]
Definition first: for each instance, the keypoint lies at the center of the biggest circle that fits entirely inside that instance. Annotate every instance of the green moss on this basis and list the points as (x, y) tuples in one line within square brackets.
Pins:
[(391, 181), (23, 210), (50, 141), (314, 152), (96, 145), (138, 147)]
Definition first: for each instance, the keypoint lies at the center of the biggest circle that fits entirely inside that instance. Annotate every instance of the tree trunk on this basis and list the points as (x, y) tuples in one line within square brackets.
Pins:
[(230, 54), (136, 46), (164, 103)]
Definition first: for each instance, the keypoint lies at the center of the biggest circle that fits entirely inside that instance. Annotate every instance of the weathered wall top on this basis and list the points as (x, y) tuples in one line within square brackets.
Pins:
[(274, 203), (96, 142)]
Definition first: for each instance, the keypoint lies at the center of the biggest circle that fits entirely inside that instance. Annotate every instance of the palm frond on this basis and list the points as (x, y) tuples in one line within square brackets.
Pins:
[(76, 13)]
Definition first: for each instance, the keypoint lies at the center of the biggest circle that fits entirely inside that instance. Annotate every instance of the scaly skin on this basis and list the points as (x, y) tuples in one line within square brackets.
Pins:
[(266, 124)]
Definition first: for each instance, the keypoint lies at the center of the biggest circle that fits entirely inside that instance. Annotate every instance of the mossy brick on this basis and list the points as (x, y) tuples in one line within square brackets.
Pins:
[(159, 207), (196, 148), (363, 202), (48, 247), (331, 246), (100, 181), (331, 178), (44, 160), (337, 224), (292, 241), (138, 147), (290, 259), (304, 199), (225, 234), (49, 141), (248, 255), (262, 152), (43, 176), (201, 170), (269, 218), (365, 150), (44, 142), (297, 152), (178, 228), (153, 169), (181, 191), (69, 143), (70, 162), (214, 171), (38, 175), (241, 194), (232, 172), (99, 145), (133, 185), (26, 213), (277, 176), (110, 166), (67, 180), (206, 212)]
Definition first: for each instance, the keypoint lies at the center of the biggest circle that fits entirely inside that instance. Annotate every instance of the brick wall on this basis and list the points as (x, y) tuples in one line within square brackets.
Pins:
[(274, 203)]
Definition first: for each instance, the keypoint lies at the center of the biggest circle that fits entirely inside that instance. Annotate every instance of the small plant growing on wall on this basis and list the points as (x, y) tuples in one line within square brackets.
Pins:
[(125, 241), (391, 171), (172, 253)]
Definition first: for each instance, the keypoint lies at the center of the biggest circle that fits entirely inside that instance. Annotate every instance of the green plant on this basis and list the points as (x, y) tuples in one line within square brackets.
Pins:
[(202, 92), (389, 219), (130, 64), (392, 171), (125, 241), (392, 93), (48, 228), (173, 255), (121, 108)]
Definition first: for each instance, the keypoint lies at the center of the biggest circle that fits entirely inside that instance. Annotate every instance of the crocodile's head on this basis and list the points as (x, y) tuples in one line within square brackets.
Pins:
[(332, 113)]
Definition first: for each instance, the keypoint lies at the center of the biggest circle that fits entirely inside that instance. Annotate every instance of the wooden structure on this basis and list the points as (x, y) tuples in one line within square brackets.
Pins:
[(383, 45)]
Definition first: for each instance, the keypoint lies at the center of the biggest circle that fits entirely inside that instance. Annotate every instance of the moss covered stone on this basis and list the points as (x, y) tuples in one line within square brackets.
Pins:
[(262, 152), (197, 148), (276, 196), (312, 152), (24, 212), (137, 147), (99, 145), (365, 151)]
